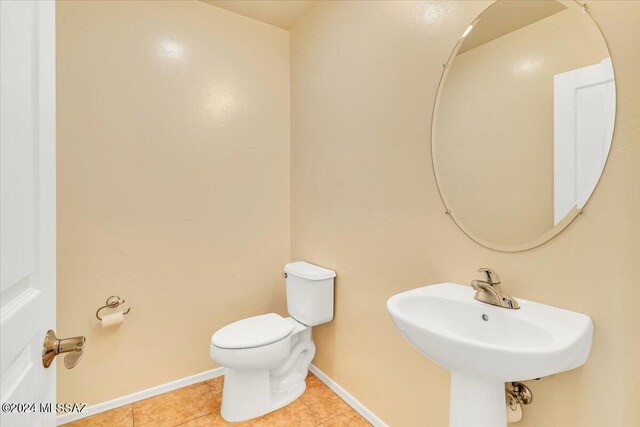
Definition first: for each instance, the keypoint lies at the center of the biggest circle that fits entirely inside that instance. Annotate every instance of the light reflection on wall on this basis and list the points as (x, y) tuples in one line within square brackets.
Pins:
[(528, 65), (436, 13), (171, 49)]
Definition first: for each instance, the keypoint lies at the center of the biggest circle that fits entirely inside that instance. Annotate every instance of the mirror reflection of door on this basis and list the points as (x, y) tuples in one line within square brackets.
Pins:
[(584, 114)]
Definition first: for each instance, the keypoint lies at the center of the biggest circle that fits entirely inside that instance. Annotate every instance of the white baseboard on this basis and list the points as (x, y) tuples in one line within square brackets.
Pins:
[(350, 400), (140, 395), (207, 375)]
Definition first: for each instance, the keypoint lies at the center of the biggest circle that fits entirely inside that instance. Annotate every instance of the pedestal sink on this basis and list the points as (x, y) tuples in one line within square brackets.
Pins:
[(485, 346)]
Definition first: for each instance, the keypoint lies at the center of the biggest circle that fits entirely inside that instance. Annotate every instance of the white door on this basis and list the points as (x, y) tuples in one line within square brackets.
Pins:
[(27, 209), (583, 119)]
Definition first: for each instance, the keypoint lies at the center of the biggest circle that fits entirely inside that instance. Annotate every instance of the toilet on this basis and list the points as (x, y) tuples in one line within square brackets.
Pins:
[(267, 357)]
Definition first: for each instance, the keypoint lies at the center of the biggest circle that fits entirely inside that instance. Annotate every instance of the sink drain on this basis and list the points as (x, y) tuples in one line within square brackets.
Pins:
[(485, 317)]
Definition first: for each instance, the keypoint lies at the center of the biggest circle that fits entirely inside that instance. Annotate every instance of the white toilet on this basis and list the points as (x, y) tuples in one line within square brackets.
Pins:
[(267, 357)]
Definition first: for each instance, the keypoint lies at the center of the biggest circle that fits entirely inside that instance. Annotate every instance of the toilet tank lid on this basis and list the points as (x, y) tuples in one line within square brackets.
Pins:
[(308, 271)]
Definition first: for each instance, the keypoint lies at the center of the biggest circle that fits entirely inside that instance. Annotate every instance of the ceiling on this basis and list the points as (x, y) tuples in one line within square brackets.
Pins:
[(506, 16), (283, 14)]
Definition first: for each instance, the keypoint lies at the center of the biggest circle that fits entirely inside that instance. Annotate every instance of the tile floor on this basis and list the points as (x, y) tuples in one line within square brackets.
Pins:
[(198, 405)]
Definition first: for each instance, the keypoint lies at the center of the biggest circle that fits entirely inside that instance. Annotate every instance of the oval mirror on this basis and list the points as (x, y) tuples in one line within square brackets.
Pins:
[(523, 122)]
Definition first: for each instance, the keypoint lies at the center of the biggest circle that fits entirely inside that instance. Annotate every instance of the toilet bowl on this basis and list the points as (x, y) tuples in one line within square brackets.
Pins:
[(267, 357)]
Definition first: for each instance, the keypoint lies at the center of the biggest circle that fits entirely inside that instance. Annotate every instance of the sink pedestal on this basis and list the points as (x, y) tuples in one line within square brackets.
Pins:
[(476, 402)]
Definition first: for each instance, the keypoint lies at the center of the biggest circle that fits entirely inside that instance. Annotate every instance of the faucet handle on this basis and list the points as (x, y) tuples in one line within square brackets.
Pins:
[(492, 276)]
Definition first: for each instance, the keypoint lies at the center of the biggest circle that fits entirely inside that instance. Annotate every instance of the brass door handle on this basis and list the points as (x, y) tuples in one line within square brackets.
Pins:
[(73, 347)]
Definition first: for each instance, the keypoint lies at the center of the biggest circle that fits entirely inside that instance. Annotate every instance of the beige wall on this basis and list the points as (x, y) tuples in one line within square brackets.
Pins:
[(173, 184), (494, 126), (364, 202)]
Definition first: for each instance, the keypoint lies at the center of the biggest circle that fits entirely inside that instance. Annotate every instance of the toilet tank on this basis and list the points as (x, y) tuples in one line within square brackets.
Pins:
[(309, 293)]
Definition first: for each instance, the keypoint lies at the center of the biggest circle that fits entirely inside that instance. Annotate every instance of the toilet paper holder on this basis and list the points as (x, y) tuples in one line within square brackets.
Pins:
[(112, 302)]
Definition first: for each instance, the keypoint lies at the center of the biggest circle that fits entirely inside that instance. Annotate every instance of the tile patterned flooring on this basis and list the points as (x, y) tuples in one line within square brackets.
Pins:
[(198, 405)]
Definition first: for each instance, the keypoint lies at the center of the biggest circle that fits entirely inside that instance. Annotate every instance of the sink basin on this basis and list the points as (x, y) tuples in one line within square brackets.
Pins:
[(445, 323), (485, 346)]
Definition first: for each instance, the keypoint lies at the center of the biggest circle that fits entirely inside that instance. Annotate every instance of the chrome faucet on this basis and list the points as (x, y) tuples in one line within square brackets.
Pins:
[(490, 292)]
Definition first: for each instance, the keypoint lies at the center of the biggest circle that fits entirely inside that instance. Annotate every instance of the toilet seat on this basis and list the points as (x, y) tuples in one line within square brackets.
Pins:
[(252, 332)]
